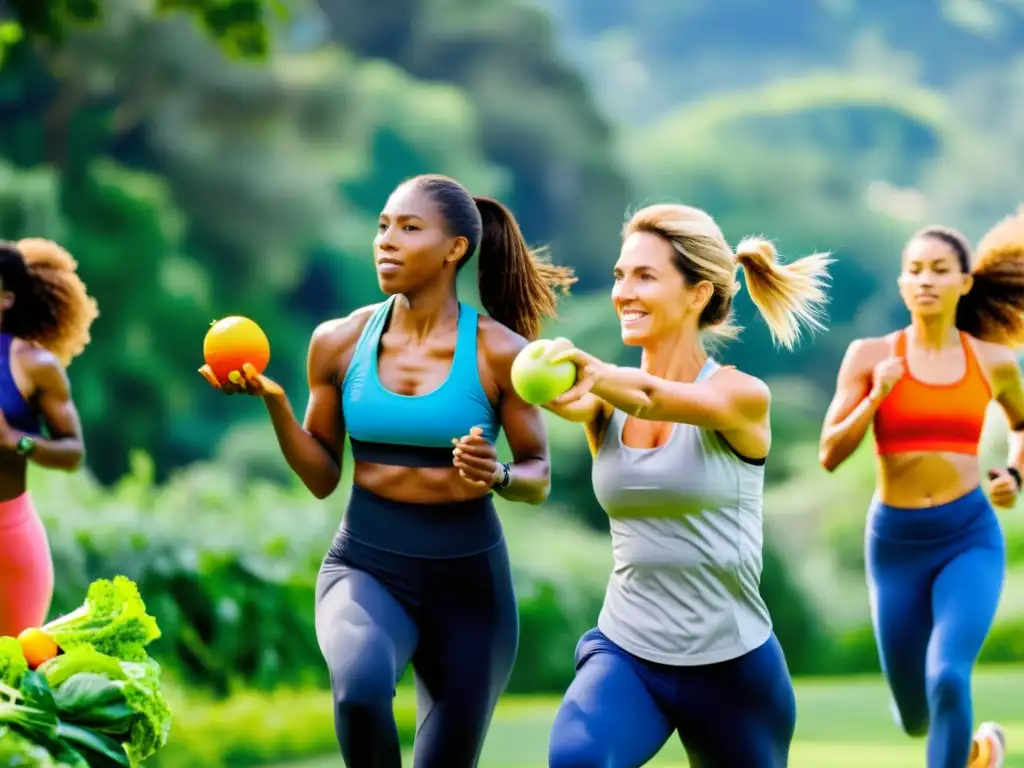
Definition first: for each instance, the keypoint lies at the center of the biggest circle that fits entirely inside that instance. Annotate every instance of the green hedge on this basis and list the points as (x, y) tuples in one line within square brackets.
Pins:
[(259, 728)]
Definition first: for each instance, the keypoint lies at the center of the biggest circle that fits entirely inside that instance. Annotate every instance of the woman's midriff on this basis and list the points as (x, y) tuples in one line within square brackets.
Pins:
[(416, 485), (925, 478)]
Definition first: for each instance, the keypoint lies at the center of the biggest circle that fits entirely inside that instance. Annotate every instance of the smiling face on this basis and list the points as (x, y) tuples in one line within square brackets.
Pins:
[(650, 295), (932, 279), (413, 244)]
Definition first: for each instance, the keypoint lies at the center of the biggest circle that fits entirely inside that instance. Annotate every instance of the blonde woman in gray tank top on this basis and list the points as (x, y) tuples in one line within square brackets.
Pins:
[(684, 642)]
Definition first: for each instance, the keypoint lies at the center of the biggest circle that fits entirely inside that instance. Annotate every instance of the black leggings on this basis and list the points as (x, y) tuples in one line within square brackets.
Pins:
[(453, 617)]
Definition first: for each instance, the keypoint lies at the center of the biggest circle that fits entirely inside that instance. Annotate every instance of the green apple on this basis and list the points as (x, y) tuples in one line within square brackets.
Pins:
[(538, 381)]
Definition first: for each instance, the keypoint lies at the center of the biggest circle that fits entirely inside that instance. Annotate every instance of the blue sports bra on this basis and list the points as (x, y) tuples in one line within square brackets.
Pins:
[(18, 412), (414, 430)]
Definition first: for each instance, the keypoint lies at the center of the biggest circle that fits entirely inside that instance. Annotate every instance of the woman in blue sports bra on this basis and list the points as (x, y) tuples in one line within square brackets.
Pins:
[(418, 571), (45, 316)]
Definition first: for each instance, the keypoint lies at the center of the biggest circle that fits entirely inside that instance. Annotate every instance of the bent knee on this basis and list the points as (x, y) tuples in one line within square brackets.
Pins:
[(362, 672), (916, 728), (913, 722), (949, 687)]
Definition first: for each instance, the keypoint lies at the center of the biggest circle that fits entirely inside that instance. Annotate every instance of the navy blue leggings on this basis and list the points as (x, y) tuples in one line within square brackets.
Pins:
[(935, 576), (454, 617), (621, 710)]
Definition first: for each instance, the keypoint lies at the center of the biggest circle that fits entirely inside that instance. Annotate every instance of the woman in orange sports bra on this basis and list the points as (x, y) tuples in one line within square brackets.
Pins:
[(933, 546)]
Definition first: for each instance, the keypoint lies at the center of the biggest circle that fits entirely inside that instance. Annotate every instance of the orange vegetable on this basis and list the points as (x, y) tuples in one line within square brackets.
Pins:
[(232, 342), (37, 646)]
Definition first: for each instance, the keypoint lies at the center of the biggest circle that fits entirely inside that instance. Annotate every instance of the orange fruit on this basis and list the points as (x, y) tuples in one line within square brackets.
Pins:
[(232, 342), (37, 646)]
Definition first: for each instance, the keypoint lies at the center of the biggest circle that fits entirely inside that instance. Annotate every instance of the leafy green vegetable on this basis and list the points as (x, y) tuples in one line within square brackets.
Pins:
[(145, 695), (113, 620), (17, 751), (28, 715), (82, 659), (12, 662), (98, 750), (95, 701), (32, 712), (17, 709), (123, 700), (99, 704)]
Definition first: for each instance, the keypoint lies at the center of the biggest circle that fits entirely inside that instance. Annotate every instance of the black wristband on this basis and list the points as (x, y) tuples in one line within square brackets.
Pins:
[(506, 476), (1015, 474)]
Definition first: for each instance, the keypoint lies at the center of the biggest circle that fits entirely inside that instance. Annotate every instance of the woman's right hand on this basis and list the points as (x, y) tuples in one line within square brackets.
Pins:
[(885, 375), (247, 381)]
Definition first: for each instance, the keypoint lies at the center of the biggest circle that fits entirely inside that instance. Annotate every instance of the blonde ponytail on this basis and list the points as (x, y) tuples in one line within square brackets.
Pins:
[(789, 296)]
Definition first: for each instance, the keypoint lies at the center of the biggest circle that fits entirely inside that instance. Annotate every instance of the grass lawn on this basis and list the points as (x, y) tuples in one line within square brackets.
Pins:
[(840, 724)]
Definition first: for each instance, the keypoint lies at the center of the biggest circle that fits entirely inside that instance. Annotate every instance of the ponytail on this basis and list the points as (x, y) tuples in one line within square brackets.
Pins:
[(517, 287), (993, 309), (788, 296), (51, 306)]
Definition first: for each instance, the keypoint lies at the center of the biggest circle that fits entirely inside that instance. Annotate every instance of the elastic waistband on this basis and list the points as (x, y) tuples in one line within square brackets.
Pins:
[(953, 518), (401, 455), (16, 511), (450, 529)]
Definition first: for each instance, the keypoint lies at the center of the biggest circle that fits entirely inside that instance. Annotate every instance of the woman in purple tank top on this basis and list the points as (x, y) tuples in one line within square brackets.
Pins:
[(45, 316)]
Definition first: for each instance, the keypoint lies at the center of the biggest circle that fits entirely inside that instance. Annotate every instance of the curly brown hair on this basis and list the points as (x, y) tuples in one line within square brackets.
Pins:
[(51, 306), (993, 309)]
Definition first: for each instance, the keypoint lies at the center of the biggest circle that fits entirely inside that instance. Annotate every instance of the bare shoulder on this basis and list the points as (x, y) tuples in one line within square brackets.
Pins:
[(333, 339), (340, 332), (40, 364), (862, 355), (998, 360), (499, 344), (749, 393)]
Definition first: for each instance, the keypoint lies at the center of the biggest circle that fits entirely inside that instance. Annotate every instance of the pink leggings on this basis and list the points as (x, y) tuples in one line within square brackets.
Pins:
[(26, 568)]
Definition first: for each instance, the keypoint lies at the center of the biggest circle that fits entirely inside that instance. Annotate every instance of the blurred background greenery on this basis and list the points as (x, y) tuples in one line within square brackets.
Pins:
[(202, 158)]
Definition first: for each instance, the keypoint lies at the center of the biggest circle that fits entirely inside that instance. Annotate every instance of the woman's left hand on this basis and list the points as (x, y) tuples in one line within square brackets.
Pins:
[(1003, 488), (476, 459), (588, 369)]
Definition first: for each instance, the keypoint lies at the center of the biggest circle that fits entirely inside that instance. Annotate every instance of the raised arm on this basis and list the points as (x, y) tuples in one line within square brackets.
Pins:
[(314, 448), (860, 389), (64, 449), (579, 406), (732, 403)]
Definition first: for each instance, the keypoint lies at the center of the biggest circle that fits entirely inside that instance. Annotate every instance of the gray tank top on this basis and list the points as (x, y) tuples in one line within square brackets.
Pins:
[(686, 524)]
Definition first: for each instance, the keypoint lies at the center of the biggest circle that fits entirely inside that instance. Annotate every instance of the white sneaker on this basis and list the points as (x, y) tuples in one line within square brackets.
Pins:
[(995, 737)]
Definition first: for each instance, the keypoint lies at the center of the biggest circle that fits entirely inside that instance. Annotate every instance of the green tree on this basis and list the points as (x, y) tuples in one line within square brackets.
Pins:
[(238, 26), (538, 121), (257, 185)]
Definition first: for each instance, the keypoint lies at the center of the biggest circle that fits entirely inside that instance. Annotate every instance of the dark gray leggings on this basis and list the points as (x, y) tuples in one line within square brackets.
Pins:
[(455, 619)]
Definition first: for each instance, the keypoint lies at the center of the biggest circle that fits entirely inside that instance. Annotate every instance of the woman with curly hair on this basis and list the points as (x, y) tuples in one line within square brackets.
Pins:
[(934, 548), (45, 315)]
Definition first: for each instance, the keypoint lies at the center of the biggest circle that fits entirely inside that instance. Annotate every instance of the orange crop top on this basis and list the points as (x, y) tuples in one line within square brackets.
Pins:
[(917, 416)]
